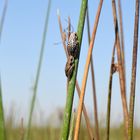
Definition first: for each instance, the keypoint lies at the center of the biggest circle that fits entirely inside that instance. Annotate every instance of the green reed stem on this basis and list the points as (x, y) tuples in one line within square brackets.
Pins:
[(3, 17), (2, 124), (71, 84), (27, 135)]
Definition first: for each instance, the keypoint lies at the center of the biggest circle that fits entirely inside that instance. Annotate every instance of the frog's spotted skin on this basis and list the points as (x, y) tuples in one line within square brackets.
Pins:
[(69, 67), (73, 45)]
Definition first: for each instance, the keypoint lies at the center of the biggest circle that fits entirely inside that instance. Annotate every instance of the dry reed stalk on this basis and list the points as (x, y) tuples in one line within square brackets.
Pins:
[(133, 76), (80, 106), (122, 39), (77, 85), (93, 84), (121, 74)]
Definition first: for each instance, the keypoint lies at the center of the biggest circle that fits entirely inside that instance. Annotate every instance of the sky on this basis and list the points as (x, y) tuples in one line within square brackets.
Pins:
[(20, 47)]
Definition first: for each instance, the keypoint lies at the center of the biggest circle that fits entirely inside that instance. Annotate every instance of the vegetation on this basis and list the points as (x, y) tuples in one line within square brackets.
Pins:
[(72, 125)]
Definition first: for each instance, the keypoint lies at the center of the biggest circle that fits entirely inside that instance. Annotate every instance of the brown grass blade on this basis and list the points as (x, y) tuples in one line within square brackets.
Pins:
[(80, 106), (93, 85), (122, 39), (121, 74), (133, 76)]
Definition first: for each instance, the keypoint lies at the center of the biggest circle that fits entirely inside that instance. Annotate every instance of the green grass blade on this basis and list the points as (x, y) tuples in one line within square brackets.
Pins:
[(2, 126), (71, 84), (3, 17), (72, 127), (27, 135)]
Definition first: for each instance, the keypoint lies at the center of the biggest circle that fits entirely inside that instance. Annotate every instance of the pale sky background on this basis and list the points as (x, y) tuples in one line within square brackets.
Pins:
[(20, 47)]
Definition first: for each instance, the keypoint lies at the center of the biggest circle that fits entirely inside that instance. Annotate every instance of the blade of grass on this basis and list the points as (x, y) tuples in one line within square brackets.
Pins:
[(3, 17), (80, 106), (2, 124), (121, 74), (72, 127), (133, 76), (27, 134), (77, 85), (122, 39), (93, 84), (110, 94), (71, 84)]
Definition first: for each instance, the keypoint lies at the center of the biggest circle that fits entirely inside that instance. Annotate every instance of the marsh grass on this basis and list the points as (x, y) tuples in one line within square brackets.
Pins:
[(2, 123), (27, 134), (71, 83), (3, 17), (77, 84), (10, 131), (80, 105)]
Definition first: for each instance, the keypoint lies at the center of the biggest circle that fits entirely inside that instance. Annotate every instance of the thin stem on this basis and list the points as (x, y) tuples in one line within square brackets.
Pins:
[(110, 94), (121, 74), (122, 39), (71, 84), (2, 123), (133, 76), (3, 17), (27, 135), (93, 84), (80, 106)]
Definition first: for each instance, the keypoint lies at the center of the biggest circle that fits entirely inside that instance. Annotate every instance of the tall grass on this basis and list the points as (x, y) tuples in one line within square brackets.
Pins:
[(2, 124), (134, 67), (71, 84), (110, 93), (121, 70), (80, 106), (93, 84), (3, 17), (27, 134)]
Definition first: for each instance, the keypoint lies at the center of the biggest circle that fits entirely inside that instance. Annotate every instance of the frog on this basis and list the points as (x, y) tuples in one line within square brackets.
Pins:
[(69, 68)]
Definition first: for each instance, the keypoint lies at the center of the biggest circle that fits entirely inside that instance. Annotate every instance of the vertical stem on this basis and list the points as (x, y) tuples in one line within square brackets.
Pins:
[(93, 84), (110, 95), (71, 84), (3, 17), (27, 134), (72, 126), (134, 66), (121, 74), (2, 125), (122, 39), (80, 106)]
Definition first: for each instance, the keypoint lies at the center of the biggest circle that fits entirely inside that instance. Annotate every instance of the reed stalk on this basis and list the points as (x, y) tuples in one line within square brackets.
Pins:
[(3, 17), (121, 72), (71, 83), (93, 84), (122, 39), (110, 94), (27, 134), (2, 124), (80, 106), (133, 75)]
